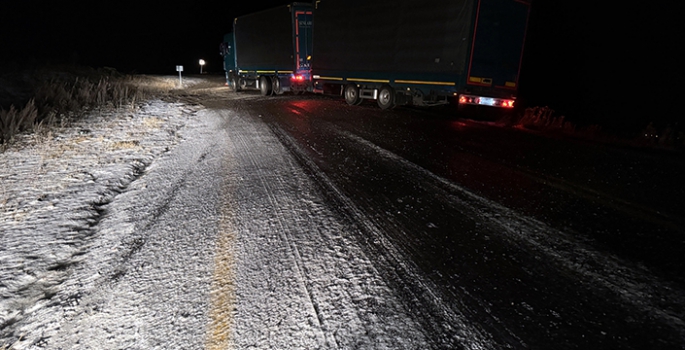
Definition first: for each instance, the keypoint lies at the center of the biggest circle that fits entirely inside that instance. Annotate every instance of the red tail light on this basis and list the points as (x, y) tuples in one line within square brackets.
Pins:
[(485, 101)]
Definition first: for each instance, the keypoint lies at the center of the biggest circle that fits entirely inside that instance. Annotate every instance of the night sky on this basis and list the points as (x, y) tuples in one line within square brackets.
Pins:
[(131, 36), (588, 62)]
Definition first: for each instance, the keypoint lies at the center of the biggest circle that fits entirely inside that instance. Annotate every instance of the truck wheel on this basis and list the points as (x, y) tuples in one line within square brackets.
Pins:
[(233, 84), (352, 95), (276, 85), (265, 86), (386, 97)]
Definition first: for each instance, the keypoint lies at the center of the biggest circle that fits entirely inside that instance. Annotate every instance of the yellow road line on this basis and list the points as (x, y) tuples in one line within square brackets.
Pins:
[(222, 290)]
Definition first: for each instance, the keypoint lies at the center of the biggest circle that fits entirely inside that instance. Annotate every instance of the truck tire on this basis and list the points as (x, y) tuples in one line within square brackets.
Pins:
[(265, 86), (276, 85), (352, 95), (386, 97), (233, 84)]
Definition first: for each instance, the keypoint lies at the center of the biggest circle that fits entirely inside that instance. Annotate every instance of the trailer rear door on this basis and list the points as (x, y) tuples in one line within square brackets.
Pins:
[(303, 39), (498, 43)]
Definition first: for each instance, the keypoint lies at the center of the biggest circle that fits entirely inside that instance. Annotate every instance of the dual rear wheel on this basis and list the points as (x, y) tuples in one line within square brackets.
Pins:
[(265, 85), (270, 85), (352, 96), (385, 98)]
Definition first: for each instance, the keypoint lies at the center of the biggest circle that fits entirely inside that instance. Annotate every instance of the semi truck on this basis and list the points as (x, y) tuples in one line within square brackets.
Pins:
[(270, 51), (419, 53)]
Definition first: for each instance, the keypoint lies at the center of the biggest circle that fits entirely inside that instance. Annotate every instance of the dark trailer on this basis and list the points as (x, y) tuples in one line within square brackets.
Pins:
[(421, 53), (270, 50)]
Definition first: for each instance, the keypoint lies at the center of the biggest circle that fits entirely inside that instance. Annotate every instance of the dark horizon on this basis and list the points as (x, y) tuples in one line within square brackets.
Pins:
[(574, 61), (132, 37)]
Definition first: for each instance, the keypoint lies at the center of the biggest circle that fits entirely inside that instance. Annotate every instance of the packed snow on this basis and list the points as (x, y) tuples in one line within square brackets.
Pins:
[(63, 233), (179, 226), (175, 226)]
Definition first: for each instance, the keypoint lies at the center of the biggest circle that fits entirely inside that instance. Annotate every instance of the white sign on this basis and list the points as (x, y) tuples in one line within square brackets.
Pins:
[(179, 69)]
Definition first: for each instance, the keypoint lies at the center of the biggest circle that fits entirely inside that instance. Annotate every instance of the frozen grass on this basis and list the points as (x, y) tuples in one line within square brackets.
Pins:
[(59, 96), (10, 347), (53, 190), (545, 120), (14, 121)]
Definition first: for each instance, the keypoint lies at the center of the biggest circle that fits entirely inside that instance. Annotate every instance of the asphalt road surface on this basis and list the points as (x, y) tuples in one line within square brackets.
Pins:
[(234, 220), (528, 241)]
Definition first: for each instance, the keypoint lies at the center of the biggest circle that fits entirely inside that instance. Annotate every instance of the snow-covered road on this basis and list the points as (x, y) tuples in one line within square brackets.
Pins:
[(237, 221), (178, 227), (302, 283)]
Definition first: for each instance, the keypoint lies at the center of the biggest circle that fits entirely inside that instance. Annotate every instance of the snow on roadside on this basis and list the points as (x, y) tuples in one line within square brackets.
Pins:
[(88, 261), (52, 191), (106, 227)]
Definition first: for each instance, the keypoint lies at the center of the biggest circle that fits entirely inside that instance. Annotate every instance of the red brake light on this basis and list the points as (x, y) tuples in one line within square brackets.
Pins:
[(486, 101)]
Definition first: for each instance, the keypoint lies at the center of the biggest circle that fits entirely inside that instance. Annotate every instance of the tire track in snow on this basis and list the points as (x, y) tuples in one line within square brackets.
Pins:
[(630, 284), (303, 281), (635, 285), (453, 329), (254, 162)]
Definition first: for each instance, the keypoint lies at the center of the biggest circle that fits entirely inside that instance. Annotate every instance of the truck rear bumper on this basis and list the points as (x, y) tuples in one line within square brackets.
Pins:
[(486, 101)]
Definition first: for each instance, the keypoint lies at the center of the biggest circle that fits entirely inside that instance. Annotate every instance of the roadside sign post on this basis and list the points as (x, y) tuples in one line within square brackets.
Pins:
[(179, 69)]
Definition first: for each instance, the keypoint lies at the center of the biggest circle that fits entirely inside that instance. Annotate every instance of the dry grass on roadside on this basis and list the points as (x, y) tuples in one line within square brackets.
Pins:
[(544, 119), (59, 97), (15, 121), (121, 145), (11, 346), (153, 123)]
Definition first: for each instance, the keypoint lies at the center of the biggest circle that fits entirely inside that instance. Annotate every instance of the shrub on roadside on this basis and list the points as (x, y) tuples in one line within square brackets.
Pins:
[(58, 96), (14, 121), (667, 137), (543, 118)]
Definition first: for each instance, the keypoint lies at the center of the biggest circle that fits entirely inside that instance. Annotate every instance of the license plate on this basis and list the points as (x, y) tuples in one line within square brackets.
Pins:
[(487, 101)]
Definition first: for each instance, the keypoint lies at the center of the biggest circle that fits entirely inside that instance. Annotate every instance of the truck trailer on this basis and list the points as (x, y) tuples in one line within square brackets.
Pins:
[(270, 50), (420, 53)]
